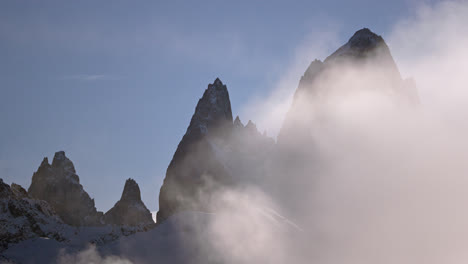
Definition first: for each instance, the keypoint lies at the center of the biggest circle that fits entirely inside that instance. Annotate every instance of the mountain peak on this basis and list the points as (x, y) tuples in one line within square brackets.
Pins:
[(60, 156), (130, 209), (59, 185), (61, 161), (195, 155), (45, 162), (365, 55), (131, 191), (364, 38), (218, 82), (212, 109), (363, 44)]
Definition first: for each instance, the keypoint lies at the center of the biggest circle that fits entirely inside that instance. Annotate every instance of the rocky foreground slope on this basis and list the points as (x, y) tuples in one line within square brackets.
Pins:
[(22, 217)]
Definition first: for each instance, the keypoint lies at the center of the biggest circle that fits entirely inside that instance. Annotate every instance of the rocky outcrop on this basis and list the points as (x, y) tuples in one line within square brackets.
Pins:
[(129, 210), (59, 185), (210, 156), (195, 170), (364, 44), (23, 218)]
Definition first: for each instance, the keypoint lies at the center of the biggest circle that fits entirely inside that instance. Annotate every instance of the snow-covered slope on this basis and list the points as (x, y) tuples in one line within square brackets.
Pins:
[(24, 218), (186, 237)]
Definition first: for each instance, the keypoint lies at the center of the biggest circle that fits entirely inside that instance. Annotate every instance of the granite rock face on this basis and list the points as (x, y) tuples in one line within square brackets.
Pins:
[(22, 217), (210, 155), (59, 185), (194, 169), (129, 210)]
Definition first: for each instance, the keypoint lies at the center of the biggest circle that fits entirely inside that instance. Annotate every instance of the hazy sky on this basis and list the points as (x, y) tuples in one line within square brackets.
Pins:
[(114, 83)]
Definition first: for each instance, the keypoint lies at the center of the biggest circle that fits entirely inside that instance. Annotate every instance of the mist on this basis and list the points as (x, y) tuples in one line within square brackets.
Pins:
[(366, 163), (89, 255), (371, 174)]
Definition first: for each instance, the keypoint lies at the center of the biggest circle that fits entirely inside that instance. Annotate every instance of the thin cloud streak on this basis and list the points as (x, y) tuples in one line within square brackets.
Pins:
[(90, 77)]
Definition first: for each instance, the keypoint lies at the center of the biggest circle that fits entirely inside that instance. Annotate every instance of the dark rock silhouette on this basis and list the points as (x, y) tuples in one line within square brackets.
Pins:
[(59, 185), (129, 210), (211, 155), (194, 164)]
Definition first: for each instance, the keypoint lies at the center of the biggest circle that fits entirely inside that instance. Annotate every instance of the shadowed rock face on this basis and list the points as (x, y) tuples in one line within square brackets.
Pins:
[(59, 185), (129, 210), (210, 156), (194, 164)]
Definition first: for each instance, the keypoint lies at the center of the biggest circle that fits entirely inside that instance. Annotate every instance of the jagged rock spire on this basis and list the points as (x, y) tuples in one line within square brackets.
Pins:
[(195, 158), (210, 156), (59, 185), (45, 162), (131, 191), (363, 48), (213, 109), (130, 210), (62, 162), (366, 46), (362, 43), (362, 40)]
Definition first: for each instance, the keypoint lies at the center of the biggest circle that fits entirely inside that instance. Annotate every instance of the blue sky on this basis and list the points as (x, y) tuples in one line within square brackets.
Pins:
[(114, 83)]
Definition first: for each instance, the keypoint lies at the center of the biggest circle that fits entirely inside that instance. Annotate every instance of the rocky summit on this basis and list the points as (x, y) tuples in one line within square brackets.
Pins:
[(130, 209), (195, 163), (212, 154), (365, 55), (59, 185)]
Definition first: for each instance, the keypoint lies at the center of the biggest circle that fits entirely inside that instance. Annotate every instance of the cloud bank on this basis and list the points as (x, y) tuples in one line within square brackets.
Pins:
[(370, 179)]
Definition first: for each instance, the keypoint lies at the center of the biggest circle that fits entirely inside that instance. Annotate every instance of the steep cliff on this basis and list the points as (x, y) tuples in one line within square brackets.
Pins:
[(214, 153), (59, 185)]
